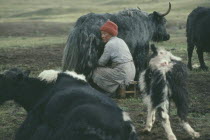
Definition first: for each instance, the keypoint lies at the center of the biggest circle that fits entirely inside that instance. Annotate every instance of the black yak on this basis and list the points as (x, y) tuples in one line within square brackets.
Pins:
[(63, 106), (137, 28), (198, 33), (164, 80)]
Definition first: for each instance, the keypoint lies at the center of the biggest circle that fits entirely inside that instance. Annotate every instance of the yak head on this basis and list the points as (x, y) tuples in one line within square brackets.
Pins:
[(159, 25), (162, 59), (9, 82)]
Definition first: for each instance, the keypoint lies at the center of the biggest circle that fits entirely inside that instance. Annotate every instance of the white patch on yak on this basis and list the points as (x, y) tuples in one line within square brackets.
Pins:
[(165, 91), (133, 128), (52, 75), (49, 75), (142, 81), (163, 53), (75, 75), (126, 117)]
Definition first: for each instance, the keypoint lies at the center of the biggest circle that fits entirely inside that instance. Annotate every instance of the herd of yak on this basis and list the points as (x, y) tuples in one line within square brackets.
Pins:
[(61, 105)]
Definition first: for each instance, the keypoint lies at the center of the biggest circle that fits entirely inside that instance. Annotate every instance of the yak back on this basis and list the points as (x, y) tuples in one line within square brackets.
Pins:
[(198, 29)]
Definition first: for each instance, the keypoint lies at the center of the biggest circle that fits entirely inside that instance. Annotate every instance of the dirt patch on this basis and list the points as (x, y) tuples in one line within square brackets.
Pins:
[(199, 87), (35, 59)]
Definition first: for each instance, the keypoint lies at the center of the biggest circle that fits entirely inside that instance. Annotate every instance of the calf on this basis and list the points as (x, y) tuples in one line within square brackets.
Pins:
[(63, 106), (165, 80)]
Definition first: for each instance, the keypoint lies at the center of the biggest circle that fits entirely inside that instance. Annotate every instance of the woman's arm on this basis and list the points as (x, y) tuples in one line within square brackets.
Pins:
[(105, 57)]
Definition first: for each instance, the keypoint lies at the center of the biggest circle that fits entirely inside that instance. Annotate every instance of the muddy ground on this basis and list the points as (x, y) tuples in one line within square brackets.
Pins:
[(47, 57)]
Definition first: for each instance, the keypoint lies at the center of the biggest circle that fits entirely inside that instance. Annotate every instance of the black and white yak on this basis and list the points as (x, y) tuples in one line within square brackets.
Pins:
[(198, 33), (63, 106), (164, 80), (137, 28)]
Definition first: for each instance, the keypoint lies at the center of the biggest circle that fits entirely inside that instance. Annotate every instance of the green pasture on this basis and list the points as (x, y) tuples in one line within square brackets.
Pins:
[(46, 23), (40, 15), (7, 42)]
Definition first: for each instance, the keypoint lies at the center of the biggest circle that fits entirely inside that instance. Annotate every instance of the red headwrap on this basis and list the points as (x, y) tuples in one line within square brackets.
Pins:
[(110, 27)]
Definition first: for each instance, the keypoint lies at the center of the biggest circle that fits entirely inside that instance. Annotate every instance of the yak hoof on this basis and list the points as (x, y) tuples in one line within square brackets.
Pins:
[(146, 131), (189, 67), (196, 135), (204, 68), (172, 137)]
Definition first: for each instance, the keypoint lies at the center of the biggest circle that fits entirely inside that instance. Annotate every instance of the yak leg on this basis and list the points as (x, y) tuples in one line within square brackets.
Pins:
[(189, 129), (140, 58), (201, 60), (29, 126), (150, 119), (166, 122), (190, 49)]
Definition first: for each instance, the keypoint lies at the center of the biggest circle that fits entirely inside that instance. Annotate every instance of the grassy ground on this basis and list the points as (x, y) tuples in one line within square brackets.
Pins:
[(33, 35)]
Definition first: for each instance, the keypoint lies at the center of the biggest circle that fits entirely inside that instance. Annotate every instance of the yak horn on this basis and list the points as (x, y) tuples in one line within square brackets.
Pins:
[(139, 8), (166, 13)]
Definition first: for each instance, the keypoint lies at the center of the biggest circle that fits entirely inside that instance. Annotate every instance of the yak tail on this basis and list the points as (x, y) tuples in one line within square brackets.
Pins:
[(81, 52), (178, 81), (70, 53)]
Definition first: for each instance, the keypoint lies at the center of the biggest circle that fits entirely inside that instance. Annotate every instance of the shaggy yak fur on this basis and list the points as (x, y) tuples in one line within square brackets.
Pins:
[(63, 106), (137, 28), (165, 80), (198, 33)]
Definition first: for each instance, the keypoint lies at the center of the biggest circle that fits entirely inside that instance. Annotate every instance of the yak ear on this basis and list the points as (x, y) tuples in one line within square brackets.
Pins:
[(19, 76), (155, 14), (26, 73), (23, 75), (157, 17), (153, 48)]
